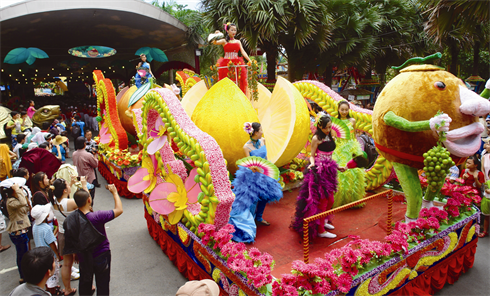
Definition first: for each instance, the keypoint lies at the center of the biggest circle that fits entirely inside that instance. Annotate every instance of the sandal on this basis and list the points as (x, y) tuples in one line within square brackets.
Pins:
[(3, 248), (263, 222), (483, 234), (73, 292)]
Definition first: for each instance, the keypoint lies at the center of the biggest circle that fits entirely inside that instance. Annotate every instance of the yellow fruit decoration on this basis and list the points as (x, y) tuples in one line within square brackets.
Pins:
[(193, 96), (285, 121), (221, 113)]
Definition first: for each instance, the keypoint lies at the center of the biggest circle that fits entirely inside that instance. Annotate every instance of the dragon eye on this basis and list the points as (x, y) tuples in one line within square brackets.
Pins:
[(440, 85)]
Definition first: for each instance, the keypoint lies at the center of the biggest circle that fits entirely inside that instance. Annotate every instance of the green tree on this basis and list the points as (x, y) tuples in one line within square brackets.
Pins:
[(270, 24), (459, 24)]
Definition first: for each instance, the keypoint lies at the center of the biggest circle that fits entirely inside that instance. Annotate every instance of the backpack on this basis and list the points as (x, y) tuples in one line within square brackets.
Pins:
[(370, 149), (3, 207), (76, 131), (8, 132)]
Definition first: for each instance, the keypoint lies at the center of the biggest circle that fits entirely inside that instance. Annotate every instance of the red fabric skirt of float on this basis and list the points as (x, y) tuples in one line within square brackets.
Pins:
[(241, 71)]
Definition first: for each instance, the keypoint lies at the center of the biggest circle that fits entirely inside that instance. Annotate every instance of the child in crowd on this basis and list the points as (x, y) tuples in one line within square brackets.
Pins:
[(58, 149), (21, 139), (91, 144), (15, 126), (26, 121), (44, 237), (485, 208), (471, 175), (66, 145), (31, 110), (485, 158)]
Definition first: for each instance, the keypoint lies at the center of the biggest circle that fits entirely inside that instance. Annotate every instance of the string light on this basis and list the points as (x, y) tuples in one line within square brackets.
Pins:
[(52, 69), (20, 70), (36, 70)]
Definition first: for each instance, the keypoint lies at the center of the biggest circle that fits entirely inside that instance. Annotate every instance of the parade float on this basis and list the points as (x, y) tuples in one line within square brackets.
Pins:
[(118, 159), (389, 246)]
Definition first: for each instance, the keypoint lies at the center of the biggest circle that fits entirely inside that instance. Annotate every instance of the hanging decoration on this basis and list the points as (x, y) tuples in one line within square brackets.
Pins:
[(22, 54), (152, 53)]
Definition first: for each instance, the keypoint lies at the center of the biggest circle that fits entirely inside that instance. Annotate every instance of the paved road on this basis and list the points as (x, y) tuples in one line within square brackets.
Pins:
[(139, 267)]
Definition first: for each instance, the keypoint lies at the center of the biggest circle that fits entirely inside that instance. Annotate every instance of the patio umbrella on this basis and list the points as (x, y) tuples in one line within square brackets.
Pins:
[(22, 54), (40, 160)]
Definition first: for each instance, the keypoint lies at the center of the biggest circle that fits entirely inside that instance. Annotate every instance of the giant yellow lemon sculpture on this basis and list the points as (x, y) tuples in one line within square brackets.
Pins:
[(221, 113), (285, 121)]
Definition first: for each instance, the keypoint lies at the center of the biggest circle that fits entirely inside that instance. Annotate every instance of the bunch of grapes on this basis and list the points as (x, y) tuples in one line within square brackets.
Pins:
[(436, 166)]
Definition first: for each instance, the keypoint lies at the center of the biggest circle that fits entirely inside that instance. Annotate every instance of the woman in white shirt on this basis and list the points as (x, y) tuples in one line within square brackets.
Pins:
[(64, 206)]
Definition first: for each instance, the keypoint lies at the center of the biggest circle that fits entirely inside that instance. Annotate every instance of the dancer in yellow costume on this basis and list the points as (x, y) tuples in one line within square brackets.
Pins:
[(352, 185)]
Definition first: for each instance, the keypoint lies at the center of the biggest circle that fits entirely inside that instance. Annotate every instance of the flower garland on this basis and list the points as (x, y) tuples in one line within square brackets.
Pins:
[(123, 158), (106, 100), (253, 76), (252, 264), (292, 172)]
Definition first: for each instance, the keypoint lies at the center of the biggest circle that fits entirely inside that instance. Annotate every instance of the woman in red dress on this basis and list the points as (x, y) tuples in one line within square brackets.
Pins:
[(231, 47)]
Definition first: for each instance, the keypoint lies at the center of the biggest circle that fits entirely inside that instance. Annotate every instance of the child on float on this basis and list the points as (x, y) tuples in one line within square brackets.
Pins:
[(485, 207), (352, 186), (471, 175), (485, 159), (253, 190)]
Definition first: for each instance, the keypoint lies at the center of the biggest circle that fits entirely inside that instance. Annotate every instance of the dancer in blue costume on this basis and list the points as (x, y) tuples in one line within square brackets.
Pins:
[(253, 190), (143, 65)]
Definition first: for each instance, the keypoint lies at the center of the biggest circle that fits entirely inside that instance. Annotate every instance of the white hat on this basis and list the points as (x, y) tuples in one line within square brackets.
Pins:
[(199, 288), (40, 212), (31, 146)]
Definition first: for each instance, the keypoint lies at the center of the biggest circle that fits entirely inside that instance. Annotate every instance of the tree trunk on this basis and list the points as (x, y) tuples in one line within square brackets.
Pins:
[(328, 76), (271, 56), (476, 52), (454, 57), (368, 72)]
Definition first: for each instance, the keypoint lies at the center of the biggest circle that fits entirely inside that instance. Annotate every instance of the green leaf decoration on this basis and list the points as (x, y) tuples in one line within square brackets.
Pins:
[(158, 55), (139, 93), (38, 53), (152, 54), (146, 51), (21, 54)]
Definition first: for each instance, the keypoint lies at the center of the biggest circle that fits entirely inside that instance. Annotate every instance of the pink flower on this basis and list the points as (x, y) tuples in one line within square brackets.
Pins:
[(424, 212), (206, 239), (227, 249), (300, 266), (344, 283), (260, 280), (422, 223), (433, 223), (354, 237), (222, 237), (266, 259), (238, 248), (206, 229), (322, 287), (235, 264), (351, 255), (290, 290), (254, 254), (289, 279), (228, 228)]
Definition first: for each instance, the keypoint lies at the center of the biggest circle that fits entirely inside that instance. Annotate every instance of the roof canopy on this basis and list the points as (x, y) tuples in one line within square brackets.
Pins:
[(57, 26)]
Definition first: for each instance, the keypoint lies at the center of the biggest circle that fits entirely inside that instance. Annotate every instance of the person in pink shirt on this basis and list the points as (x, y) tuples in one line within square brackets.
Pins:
[(31, 110), (85, 162)]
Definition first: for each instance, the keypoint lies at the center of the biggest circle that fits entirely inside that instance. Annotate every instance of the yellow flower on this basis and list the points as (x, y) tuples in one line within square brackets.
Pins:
[(147, 163)]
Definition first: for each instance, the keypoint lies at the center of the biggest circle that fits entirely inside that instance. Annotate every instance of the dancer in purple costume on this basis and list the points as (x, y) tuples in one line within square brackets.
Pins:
[(316, 194)]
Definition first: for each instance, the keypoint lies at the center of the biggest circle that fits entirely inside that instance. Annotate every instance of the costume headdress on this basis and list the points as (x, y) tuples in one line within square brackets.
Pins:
[(318, 116), (226, 26), (247, 127)]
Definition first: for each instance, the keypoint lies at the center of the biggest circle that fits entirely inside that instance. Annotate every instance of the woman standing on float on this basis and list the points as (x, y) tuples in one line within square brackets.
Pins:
[(316, 194), (231, 47), (146, 67), (253, 190)]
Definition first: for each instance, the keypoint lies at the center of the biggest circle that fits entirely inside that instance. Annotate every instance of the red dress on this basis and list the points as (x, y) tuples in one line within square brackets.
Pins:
[(231, 54)]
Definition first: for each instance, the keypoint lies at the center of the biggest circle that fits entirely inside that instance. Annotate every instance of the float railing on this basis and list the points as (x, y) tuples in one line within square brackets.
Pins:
[(306, 221)]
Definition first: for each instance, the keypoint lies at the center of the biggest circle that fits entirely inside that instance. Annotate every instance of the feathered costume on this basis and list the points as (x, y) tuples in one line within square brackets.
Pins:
[(316, 194), (352, 185), (252, 191)]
